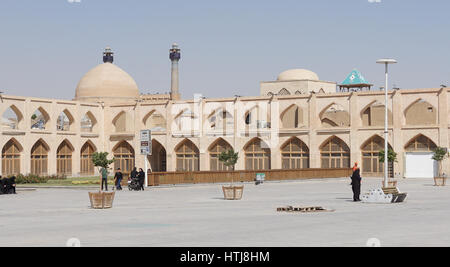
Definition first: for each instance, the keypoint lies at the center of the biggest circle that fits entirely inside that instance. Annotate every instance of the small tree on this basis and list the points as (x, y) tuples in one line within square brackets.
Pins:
[(229, 158), (100, 160), (439, 155), (392, 156)]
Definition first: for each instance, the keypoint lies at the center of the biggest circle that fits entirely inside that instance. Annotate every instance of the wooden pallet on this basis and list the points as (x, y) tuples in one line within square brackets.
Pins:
[(303, 209)]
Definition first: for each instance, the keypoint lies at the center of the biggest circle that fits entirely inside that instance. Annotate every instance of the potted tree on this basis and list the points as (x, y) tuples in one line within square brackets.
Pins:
[(100, 199), (439, 155), (229, 158), (392, 158)]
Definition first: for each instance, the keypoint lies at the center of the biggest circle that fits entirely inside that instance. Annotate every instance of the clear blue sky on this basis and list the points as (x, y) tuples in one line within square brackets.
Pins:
[(228, 46)]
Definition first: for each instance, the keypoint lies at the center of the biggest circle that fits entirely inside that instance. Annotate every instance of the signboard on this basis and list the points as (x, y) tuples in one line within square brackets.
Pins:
[(146, 142), (261, 177)]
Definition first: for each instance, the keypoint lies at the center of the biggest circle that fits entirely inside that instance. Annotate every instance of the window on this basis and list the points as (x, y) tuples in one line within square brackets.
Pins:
[(218, 148), (257, 155), (39, 159), (11, 158), (64, 159), (421, 143), (87, 166), (124, 158), (295, 155), (335, 154), (187, 157)]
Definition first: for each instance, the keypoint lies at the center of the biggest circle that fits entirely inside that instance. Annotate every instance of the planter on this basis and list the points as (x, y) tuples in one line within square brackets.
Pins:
[(233, 192), (391, 183), (101, 200), (440, 181)]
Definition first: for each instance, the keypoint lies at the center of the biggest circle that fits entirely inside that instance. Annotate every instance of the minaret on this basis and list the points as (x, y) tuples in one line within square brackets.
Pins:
[(175, 56), (108, 55)]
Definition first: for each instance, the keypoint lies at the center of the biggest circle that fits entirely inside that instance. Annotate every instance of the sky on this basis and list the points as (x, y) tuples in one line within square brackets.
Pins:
[(228, 47)]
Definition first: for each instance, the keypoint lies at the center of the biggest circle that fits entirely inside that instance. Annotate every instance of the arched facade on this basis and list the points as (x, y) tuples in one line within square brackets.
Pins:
[(188, 157), (335, 153), (421, 113), (257, 155), (217, 148), (86, 165), (124, 157), (371, 165), (292, 117), (158, 159), (295, 154), (420, 143), (11, 153), (64, 159), (39, 158)]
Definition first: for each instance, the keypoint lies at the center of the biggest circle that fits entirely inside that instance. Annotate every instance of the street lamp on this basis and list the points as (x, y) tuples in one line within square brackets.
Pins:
[(386, 62)]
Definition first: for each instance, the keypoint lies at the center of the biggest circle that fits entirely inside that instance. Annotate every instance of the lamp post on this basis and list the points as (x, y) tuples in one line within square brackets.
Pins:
[(386, 62)]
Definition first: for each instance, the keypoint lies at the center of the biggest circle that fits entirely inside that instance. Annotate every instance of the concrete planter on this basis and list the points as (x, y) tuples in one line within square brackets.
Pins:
[(440, 181), (101, 200), (233, 192)]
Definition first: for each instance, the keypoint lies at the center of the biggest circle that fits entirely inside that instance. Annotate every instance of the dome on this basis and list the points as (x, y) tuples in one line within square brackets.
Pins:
[(298, 74), (106, 82)]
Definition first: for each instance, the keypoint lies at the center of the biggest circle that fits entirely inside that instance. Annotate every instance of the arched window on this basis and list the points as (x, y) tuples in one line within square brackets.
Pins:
[(64, 159), (420, 143), (374, 115), (335, 154), (39, 158), (11, 158), (257, 118), (11, 118), (188, 157), (295, 155), (292, 117), (215, 150), (421, 113), (187, 122), (221, 120), (370, 156), (124, 158), (257, 155), (121, 122), (155, 121), (158, 159), (335, 116), (88, 122), (64, 122), (39, 119), (86, 164)]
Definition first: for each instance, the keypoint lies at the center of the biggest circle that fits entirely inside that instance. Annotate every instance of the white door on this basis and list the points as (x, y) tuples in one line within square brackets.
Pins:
[(420, 165)]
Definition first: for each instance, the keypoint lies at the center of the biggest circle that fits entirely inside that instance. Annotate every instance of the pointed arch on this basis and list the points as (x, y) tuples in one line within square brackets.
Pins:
[(284, 92), (124, 157), (86, 165), (373, 114), (420, 112), (370, 150), (298, 93), (64, 158), (158, 159), (221, 119), (420, 143), (12, 118), (11, 154), (334, 153), (120, 122), (186, 120), (215, 149), (294, 154), (40, 119), (65, 121), (257, 155), (334, 115), (292, 117), (188, 156), (155, 121), (88, 123), (39, 158)]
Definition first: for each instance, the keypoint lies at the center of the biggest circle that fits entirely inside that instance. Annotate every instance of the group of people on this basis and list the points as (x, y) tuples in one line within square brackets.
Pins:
[(7, 185), (118, 178)]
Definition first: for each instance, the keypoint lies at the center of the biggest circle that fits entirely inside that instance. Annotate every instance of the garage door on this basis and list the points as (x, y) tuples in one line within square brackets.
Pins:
[(420, 165)]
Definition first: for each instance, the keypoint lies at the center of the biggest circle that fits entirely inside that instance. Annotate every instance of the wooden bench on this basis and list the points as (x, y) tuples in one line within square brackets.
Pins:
[(397, 196)]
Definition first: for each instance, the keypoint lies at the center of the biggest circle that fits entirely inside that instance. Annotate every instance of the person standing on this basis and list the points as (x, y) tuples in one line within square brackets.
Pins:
[(118, 178), (356, 184), (104, 174), (141, 177)]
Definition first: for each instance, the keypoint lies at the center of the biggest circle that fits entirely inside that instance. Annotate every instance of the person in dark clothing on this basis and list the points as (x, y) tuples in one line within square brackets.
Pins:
[(118, 177), (104, 174), (141, 177), (356, 184), (2, 186)]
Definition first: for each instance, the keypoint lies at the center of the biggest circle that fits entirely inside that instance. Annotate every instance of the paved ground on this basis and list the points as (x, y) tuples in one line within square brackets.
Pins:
[(198, 216)]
